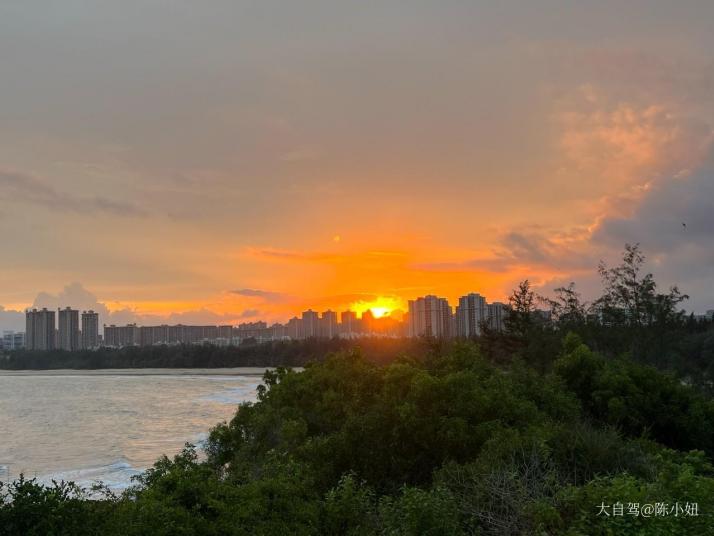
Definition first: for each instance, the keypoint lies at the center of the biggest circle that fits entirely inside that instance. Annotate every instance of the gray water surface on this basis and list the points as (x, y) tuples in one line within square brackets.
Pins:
[(88, 426)]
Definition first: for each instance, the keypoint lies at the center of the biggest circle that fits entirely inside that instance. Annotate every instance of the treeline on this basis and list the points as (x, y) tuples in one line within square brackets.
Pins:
[(270, 354), (444, 444), (632, 318)]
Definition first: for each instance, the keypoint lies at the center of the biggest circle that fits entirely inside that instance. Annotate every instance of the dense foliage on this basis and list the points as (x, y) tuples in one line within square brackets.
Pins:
[(448, 443)]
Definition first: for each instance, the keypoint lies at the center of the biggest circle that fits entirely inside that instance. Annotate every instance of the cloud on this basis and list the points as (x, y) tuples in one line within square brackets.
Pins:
[(536, 249), (11, 320), (76, 296), (658, 220), (684, 254), (626, 141), (264, 294), (290, 256), (73, 295), (26, 188)]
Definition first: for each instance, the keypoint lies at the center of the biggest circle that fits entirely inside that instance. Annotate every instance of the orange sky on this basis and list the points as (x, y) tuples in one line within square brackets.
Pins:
[(249, 161)]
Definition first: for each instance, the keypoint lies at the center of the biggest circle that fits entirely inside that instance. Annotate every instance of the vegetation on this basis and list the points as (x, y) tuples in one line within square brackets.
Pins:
[(539, 430), (445, 444), (271, 354)]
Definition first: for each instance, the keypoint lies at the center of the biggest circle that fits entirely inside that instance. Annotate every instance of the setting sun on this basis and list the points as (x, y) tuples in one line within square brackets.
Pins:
[(379, 312), (380, 307)]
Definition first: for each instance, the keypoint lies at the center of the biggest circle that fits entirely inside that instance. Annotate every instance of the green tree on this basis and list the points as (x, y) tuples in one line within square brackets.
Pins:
[(630, 296)]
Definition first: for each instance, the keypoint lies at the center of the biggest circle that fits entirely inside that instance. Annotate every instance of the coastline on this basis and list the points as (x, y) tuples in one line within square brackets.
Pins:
[(233, 371)]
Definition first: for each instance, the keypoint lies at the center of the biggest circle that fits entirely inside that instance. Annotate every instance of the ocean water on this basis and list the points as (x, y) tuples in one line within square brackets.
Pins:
[(89, 426)]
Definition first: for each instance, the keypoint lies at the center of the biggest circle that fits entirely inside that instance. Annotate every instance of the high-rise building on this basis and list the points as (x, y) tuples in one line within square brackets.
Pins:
[(430, 316), (367, 322), (90, 330), (328, 325), (349, 325), (68, 329), (496, 314), (310, 325), (40, 329), (471, 313), (295, 328)]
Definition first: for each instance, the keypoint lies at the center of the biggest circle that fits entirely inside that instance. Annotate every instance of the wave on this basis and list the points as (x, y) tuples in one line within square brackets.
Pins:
[(117, 475)]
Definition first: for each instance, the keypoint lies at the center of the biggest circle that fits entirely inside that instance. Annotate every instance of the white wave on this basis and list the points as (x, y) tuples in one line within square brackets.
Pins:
[(116, 476)]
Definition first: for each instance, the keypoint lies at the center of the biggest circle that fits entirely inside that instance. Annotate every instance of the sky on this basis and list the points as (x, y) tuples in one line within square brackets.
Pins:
[(229, 161)]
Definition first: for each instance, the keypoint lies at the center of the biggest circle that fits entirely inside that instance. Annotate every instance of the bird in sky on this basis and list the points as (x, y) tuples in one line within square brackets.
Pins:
[(684, 225)]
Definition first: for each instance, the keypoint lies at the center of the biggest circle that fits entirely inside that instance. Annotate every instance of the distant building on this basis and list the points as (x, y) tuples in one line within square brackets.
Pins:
[(367, 322), (279, 332), (294, 328), (121, 336), (430, 316), (225, 333), (310, 324), (153, 335), (12, 340), (40, 329), (349, 324), (471, 313), (90, 330), (257, 331), (328, 325), (496, 315), (252, 325), (68, 332)]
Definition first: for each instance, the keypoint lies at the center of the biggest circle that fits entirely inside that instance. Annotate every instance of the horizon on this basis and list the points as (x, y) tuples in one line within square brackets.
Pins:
[(377, 308)]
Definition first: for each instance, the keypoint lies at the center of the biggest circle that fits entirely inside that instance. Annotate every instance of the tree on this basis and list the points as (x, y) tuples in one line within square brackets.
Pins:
[(519, 317), (566, 308), (630, 297)]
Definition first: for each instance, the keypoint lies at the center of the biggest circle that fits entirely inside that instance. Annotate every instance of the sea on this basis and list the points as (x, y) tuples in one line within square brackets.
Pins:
[(110, 425)]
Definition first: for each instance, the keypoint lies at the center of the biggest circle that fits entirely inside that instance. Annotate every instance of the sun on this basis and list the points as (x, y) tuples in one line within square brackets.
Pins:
[(379, 307), (379, 312)]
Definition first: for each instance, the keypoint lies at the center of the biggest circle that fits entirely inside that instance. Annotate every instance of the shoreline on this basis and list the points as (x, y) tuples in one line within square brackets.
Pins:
[(228, 371)]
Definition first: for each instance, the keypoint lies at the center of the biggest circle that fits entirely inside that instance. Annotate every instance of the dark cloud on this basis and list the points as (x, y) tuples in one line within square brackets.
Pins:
[(531, 247), (533, 250), (677, 254), (659, 218), (29, 189)]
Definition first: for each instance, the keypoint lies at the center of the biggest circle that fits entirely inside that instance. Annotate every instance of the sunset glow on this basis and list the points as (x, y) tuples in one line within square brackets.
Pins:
[(253, 179), (381, 307)]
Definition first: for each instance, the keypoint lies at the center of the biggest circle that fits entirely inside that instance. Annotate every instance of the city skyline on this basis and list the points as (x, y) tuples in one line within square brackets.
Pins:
[(42, 333), (76, 297), (351, 154), (426, 316)]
